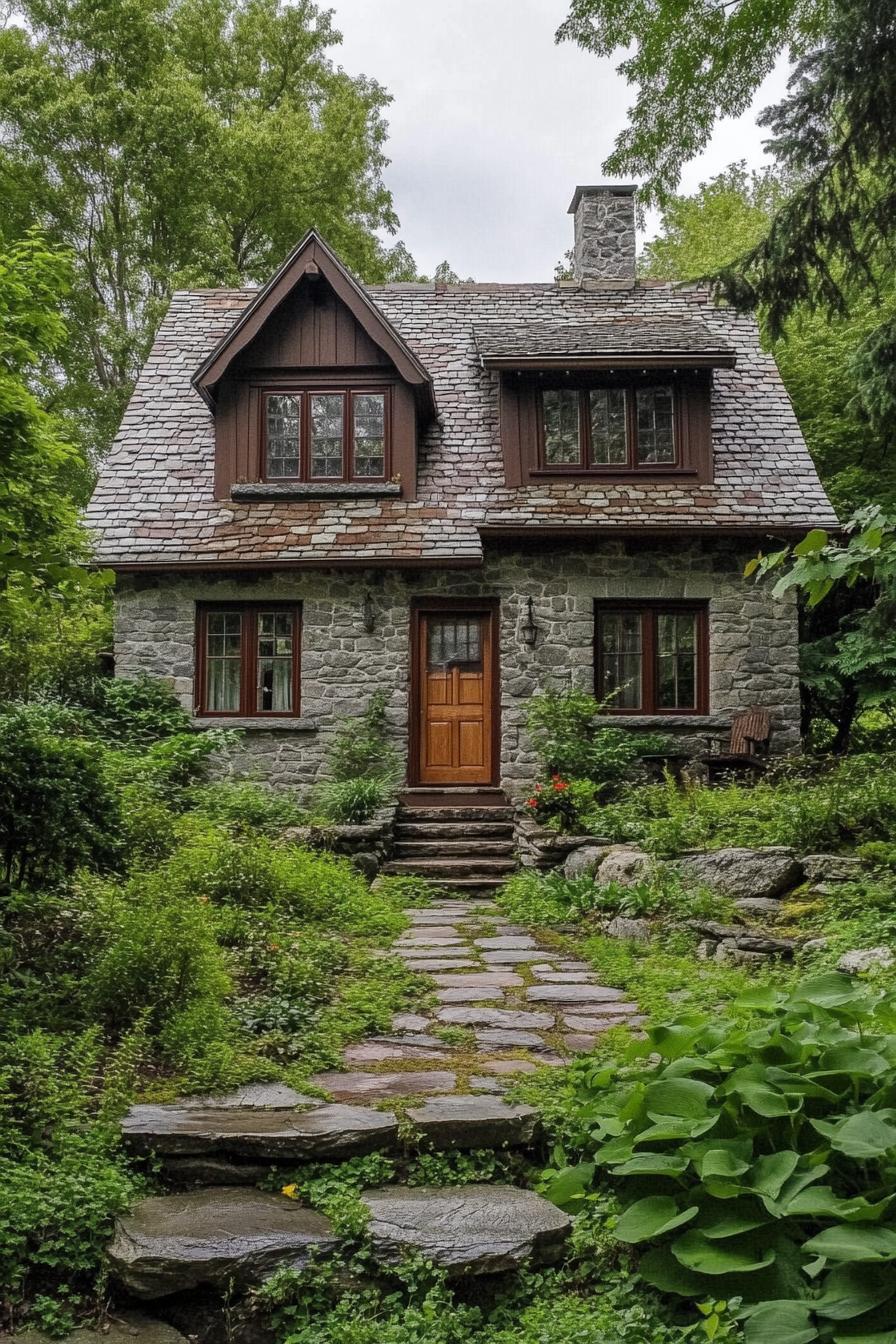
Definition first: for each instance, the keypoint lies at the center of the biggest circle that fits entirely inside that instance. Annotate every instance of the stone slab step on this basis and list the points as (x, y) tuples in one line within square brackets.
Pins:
[(466, 1230), (325, 1132), (438, 848), (454, 830), (462, 1122), (448, 813), (469, 867), (212, 1238)]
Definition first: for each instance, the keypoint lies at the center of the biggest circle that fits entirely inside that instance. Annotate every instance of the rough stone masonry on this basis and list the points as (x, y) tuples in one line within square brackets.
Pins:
[(752, 642)]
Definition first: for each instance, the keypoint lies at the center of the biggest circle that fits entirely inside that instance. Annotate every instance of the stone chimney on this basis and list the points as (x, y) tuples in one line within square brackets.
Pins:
[(604, 248)]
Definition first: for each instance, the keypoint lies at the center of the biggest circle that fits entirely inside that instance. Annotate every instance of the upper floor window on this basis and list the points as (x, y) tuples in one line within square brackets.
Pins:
[(609, 428), (247, 659), (326, 436)]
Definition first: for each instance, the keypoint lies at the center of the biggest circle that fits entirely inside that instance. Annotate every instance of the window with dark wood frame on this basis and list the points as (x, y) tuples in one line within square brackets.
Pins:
[(652, 657), (610, 428), (326, 434), (248, 659)]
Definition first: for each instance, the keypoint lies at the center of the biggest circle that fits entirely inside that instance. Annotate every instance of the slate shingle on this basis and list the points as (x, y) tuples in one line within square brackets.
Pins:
[(153, 503)]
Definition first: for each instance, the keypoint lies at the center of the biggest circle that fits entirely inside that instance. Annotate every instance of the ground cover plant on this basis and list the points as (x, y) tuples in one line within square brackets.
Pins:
[(831, 804), (156, 936), (754, 1159)]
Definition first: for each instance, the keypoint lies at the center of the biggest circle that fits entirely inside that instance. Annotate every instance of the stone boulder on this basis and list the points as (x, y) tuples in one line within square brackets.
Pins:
[(366, 863), (584, 861), (744, 874), (765, 909), (124, 1327), (211, 1238), (465, 1229), (831, 868), (638, 930), (624, 866), (866, 959)]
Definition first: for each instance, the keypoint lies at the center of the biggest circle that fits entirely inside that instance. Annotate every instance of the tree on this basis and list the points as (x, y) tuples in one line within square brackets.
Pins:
[(42, 545), (854, 666), (180, 142), (833, 236), (818, 355), (692, 62)]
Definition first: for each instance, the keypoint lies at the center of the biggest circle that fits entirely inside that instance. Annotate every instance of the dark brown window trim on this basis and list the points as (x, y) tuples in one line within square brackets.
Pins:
[(649, 611), (632, 467), (306, 389), (249, 612)]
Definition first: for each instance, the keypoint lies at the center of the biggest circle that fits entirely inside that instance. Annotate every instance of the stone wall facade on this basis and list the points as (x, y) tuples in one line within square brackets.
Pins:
[(752, 641)]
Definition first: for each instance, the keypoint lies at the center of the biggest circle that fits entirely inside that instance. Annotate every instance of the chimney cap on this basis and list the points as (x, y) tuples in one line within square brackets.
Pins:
[(602, 189)]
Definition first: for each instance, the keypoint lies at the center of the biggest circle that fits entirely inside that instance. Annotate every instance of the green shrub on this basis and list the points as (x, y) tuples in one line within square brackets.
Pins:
[(137, 711), (756, 1159), (158, 954), (361, 749), (833, 806), (244, 806), (350, 801), (57, 810), (552, 898), (570, 744), (61, 1176)]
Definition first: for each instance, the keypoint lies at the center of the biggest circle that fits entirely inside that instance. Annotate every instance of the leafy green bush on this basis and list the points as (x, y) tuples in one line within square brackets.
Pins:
[(552, 898), (350, 801), (137, 711), (57, 810), (756, 1159), (361, 749), (244, 806), (157, 955), (570, 743), (62, 1179), (810, 806)]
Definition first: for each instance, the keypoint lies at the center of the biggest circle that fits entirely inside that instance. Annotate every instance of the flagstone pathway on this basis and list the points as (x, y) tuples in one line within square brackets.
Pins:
[(502, 1005)]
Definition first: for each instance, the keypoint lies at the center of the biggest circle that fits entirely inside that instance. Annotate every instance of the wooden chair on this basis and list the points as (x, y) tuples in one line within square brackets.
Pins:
[(748, 746)]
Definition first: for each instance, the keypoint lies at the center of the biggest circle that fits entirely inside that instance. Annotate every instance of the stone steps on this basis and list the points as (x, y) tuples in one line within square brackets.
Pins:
[(472, 847), (517, 1005), (232, 1238), (453, 830), (464, 866), (449, 813)]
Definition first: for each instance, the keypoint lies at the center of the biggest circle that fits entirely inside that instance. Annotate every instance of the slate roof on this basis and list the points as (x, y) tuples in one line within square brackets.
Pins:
[(153, 504), (613, 336)]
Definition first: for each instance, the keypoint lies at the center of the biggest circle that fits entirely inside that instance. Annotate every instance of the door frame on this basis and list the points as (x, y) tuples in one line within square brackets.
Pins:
[(482, 606)]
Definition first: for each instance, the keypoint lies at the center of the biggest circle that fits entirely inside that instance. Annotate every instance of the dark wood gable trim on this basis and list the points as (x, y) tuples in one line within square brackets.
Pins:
[(314, 258)]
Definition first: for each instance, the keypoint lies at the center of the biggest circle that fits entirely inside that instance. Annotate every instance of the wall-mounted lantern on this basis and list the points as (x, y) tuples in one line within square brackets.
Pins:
[(528, 628), (368, 614)]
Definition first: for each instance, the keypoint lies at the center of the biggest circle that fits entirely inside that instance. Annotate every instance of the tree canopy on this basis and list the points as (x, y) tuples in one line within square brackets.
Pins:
[(180, 142)]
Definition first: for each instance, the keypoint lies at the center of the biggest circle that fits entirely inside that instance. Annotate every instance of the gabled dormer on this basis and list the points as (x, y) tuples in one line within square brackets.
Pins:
[(313, 392), (622, 398)]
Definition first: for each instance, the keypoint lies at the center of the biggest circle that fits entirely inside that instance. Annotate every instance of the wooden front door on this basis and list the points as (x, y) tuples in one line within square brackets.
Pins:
[(455, 689)]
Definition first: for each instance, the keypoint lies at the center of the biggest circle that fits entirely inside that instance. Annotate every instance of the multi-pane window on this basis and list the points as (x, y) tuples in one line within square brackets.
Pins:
[(325, 436), (651, 658), (369, 433), (248, 659), (454, 641), (600, 428)]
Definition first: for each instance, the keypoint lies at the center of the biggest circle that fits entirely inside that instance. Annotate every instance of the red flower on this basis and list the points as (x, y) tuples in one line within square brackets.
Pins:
[(531, 802), (558, 783)]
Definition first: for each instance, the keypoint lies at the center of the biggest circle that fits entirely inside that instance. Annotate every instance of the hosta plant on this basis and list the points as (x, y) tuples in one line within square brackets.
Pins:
[(755, 1159)]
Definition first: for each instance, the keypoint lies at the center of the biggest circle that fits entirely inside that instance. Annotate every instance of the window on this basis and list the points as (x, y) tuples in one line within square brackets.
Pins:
[(247, 661), (325, 436), (609, 428), (652, 657)]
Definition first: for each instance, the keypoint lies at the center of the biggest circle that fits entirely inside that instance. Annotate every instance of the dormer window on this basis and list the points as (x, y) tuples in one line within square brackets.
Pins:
[(609, 428), (326, 435)]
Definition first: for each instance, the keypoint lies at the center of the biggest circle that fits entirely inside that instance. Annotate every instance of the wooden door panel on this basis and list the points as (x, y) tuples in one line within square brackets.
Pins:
[(469, 743), (454, 653)]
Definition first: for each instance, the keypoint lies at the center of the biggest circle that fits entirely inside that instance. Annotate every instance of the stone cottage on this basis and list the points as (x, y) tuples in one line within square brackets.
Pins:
[(461, 494)]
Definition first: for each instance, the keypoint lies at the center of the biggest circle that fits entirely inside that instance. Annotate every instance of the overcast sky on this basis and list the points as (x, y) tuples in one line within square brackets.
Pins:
[(493, 125)]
